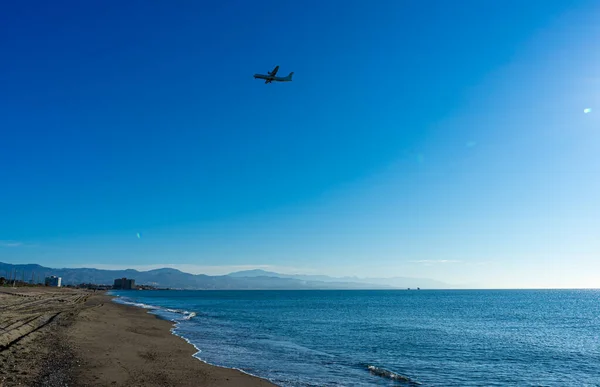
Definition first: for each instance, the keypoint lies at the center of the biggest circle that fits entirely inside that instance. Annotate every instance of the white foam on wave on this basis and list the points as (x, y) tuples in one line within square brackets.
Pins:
[(382, 372), (186, 314), (132, 303), (189, 315)]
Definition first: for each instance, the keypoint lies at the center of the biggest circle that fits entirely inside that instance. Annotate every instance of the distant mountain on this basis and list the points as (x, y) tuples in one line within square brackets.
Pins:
[(255, 273), (172, 278), (394, 282)]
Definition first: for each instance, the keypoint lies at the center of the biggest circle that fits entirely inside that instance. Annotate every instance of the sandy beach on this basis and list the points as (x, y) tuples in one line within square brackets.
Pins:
[(64, 337)]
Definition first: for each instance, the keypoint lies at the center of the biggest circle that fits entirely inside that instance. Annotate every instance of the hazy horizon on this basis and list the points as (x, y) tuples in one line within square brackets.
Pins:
[(460, 144), (227, 270)]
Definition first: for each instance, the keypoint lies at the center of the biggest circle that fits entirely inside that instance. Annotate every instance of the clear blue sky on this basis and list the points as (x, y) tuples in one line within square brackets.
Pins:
[(419, 138)]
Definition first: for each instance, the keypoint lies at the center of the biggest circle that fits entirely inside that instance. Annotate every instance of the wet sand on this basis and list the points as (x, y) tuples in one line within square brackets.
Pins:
[(63, 337)]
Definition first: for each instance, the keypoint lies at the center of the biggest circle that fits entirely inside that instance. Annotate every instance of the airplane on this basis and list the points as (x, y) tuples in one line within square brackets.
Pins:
[(271, 77)]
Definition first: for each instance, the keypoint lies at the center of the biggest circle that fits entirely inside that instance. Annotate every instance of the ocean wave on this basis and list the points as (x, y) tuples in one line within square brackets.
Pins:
[(382, 372), (189, 316), (186, 315)]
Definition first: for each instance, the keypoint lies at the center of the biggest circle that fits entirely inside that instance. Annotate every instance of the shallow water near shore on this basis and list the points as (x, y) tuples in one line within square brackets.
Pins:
[(391, 338)]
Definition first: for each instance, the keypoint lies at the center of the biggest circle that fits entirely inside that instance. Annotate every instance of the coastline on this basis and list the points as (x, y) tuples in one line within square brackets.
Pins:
[(254, 380), (94, 341)]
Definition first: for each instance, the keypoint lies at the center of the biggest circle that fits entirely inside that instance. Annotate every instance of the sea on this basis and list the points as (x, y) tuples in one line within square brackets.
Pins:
[(390, 337)]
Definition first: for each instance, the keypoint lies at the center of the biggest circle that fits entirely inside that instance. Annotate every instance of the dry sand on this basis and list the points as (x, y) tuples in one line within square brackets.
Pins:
[(63, 337)]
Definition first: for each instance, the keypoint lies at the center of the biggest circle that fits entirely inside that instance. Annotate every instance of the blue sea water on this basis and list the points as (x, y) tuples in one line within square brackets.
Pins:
[(391, 338)]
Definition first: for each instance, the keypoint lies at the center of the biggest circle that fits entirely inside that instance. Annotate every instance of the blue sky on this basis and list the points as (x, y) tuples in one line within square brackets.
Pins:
[(418, 138)]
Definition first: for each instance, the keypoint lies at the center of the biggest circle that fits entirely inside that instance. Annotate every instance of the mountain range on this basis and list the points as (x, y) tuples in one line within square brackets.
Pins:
[(249, 279)]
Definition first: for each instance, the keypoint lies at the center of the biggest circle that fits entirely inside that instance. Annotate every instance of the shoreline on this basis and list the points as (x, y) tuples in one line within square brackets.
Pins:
[(87, 339), (174, 325)]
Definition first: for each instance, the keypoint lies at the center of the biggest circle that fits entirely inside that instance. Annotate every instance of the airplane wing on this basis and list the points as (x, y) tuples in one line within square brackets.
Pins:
[(272, 73)]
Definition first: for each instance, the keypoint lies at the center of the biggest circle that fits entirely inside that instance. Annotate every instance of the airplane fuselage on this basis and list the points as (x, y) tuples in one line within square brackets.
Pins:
[(271, 78)]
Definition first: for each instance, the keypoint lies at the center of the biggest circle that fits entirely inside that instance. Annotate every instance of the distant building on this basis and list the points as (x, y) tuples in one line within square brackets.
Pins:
[(124, 284), (53, 281)]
